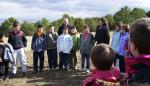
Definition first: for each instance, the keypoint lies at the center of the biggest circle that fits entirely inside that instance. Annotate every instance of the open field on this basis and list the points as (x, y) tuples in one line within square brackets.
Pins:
[(47, 78)]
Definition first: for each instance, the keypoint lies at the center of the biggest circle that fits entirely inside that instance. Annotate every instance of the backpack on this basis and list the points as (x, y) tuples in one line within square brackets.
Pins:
[(8, 53)]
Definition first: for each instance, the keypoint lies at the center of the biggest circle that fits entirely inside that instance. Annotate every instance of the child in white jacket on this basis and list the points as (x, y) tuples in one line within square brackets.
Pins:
[(64, 46)]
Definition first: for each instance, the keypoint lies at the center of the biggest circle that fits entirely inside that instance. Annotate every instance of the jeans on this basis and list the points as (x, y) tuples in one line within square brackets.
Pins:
[(38, 56), (52, 58), (63, 61), (85, 58)]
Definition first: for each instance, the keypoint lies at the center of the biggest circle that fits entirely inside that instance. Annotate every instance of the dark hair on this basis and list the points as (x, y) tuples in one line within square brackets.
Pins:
[(86, 26), (104, 21), (119, 24), (102, 56), (140, 35), (125, 27), (50, 26), (39, 26), (73, 27), (1, 35), (15, 24)]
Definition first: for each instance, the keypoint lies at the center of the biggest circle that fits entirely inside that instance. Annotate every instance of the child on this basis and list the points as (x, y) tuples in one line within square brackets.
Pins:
[(103, 57), (138, 67), (6, 55), (86, 43), (73, 57), (121, 49), (51, 38), (38, 46), (64, 46), (116, 37), (18, 40)]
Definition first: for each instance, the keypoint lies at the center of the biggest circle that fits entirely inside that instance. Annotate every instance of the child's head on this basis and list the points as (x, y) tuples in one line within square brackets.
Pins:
[(1, 37), (65, 31), (118, 26), (40, 28), (16, 26), (51, 28), (86, 29), (73, 30), (140, 37), (125, 28), (103, 57)]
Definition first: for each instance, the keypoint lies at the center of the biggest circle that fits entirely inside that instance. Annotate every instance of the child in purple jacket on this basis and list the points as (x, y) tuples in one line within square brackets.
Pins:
[(121, 49)]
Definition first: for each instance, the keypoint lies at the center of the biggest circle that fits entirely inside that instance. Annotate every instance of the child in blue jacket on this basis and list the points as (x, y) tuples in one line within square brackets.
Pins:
[(38, 46)]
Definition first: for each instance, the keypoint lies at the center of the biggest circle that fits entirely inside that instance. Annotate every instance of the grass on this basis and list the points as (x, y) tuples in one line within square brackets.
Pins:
[(47, 78)]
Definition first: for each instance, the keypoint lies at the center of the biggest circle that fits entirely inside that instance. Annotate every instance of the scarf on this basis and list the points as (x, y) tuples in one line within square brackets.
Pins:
[(134, 64), (39, 34), (85, 35)]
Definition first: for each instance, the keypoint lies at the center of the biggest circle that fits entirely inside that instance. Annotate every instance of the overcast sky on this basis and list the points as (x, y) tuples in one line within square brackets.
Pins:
[(34, 10)]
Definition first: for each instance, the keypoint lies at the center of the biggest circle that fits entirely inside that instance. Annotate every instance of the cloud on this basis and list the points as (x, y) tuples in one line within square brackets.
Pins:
[(34, 10)]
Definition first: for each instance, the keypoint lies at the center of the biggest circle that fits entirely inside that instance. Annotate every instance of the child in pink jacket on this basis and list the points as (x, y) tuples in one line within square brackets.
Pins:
[(103, 57)]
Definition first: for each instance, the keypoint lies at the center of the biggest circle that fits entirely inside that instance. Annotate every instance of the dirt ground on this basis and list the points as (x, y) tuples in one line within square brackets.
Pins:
[(46, 78)]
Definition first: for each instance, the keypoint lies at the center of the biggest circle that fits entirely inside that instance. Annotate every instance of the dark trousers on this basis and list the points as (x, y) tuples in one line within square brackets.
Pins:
[(85, 58), (38, 56), (73, 59), (63, 60), (121, 63), (4, 66), (52, 58)]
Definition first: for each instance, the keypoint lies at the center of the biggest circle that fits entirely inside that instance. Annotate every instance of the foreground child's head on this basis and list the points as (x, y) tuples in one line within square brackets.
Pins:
[(102, 57), (140, 37)]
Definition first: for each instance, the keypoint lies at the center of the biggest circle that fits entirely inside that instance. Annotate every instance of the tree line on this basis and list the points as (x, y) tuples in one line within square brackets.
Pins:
[(125, 15)]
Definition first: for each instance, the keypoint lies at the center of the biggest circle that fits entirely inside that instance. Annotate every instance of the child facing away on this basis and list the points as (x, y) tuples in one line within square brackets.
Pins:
[(138, 67), (64, 46), (38, 46), (104, 74), (73, 56), (86, 43), (51, 39), (6, 55)]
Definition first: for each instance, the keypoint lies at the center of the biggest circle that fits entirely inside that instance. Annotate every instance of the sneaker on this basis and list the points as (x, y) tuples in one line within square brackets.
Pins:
[(6, 77), (12, 75)]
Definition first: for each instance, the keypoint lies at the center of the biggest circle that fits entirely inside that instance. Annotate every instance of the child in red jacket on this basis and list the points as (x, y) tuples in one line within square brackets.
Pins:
[(103, 57)]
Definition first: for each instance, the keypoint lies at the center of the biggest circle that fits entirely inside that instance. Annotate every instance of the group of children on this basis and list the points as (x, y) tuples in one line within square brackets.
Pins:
[(132, 48), (65, 44)]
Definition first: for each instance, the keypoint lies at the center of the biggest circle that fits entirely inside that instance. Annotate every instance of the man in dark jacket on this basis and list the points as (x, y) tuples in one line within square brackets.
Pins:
[(17, 39), (65, 24)]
